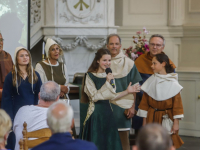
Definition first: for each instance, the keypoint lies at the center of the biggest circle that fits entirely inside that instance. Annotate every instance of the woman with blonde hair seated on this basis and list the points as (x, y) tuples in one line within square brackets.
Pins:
[(5, 125)]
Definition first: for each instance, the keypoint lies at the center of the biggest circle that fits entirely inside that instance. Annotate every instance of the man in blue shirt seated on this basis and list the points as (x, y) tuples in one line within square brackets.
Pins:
[(59, 120)]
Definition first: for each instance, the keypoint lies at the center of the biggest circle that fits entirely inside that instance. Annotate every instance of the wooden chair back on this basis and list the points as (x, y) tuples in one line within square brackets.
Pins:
[(21, 145), (42, 135)]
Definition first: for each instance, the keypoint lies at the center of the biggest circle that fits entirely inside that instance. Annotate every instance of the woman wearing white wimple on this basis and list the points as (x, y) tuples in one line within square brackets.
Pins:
[(51, 69)]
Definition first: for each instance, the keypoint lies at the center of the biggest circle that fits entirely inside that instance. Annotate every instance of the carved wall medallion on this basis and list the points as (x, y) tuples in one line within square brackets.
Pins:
[(81, 8), (35, 11)]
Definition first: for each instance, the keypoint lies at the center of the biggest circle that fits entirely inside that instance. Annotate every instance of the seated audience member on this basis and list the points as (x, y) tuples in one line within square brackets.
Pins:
[(59, 119), (35, 115), (153, 137), (5, 125)]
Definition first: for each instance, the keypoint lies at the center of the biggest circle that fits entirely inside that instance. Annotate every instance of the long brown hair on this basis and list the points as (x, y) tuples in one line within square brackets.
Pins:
[(28, 70), (98, 55), (93, 68)]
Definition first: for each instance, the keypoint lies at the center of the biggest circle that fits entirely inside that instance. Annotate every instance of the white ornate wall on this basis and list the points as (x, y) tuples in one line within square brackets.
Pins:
[(83, 28), (36, 21)]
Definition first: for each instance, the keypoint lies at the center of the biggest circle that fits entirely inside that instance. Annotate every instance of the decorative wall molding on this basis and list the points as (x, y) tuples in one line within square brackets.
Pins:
[(176, 12), (95, 18), (126, 31), (82, 12), (193, 10), (167, 32), (155, 7), (79, 40), (35, 11)]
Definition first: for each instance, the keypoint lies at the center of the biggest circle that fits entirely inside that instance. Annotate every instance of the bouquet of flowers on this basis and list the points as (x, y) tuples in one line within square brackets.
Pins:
[(141, 45)]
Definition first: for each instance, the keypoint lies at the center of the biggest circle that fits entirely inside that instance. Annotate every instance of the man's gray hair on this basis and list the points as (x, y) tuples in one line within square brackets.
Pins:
[(158, 35), (59, 117), (49, 91), (111, 35), (153, 137)]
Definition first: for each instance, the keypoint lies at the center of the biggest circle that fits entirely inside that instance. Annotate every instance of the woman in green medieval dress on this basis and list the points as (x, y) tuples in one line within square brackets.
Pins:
[(97, 120)]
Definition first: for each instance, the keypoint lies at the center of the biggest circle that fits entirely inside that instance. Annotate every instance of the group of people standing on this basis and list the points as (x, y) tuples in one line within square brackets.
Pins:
[(20, 83), (106, 110)]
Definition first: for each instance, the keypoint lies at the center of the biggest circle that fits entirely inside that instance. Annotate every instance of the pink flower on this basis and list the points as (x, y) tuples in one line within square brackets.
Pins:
[(139, 53), (127, 51), (145, 30), (134, 56), (138, 33), (146, 47), (133, 50), (126, 54), (136, 40), (144, 40)]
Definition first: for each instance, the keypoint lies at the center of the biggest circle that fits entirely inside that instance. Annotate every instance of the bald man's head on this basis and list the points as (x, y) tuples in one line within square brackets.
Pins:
[(153, 137), (59, 117), (49, 91)]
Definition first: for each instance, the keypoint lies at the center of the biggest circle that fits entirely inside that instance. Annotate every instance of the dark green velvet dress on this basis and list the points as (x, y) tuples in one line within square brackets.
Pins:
[(100, 127)]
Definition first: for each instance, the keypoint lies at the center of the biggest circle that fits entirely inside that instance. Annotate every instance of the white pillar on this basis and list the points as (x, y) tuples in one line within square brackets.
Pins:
[(176, 12)]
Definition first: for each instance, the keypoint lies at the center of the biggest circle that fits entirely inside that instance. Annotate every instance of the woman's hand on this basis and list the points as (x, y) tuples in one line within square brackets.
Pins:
[(109, 77), (133, 89), (175, 126), (62, 94), (64, 89)]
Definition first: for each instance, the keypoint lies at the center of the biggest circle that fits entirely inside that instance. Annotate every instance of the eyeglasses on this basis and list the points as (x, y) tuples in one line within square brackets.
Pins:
[(1, 40), (157, 45)]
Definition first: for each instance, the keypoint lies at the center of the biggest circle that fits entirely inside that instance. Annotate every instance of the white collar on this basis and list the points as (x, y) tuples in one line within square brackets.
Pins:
[(57, 64), (162, 87), (121, 65)]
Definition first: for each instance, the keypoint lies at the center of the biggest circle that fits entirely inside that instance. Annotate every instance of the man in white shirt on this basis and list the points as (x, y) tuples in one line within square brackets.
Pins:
[(35, 115)]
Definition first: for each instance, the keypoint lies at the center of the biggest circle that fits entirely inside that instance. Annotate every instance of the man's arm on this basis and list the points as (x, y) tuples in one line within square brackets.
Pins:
[(131, 111)]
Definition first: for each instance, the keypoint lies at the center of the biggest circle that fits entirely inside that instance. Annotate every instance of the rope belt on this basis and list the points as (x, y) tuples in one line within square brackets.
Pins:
[(155, 110)]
